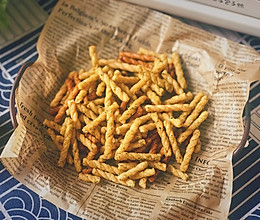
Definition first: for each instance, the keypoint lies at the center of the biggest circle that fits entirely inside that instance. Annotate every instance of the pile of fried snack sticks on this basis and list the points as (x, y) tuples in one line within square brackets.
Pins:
[(127, 119)]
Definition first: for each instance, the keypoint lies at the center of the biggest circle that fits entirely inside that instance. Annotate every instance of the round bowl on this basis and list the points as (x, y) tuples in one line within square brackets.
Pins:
[(236, 152)]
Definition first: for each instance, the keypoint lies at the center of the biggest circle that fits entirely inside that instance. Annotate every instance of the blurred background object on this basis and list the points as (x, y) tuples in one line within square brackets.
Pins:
[(237, 15), (18, 18), (3, 17)]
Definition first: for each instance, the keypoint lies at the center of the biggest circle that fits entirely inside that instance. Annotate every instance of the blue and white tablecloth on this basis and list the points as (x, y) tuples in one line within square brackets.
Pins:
[(18, 45)]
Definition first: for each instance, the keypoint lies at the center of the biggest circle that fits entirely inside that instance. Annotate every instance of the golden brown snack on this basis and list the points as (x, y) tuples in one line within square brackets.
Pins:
[(97, 109), (81, 95), (167, 108), (93, 56), (109, 133), (89, 178), (157, 165), (89, 113), (194, 114), (147, 127), (66, 145), (178, 70), (189, 150), (130, 60), (125, 79), (159, 125), (129, 136), (85, 74), (155, 99), (136, 87), (93, 149), (193, 104), (160, 63), (115, 88), (75, 152), (100, 88), (142, 182), (197, 147), (126, 166), (137, 56), (147, 52), (112, 177), (62, 91), (137, 144), (95, 122), (137, 156), (52, 125), (86, 82), (140, 138), (133, 171), (168, 79), (184, 97), (115, 64), (74, 114), (177, 172), (132, 108), (176, 122), (173, 141), (101, 166), (142, 174), (63, 109), (202, 117)]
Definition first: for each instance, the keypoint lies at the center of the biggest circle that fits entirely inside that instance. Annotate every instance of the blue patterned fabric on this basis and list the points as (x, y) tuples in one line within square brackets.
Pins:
[(19, 202)]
